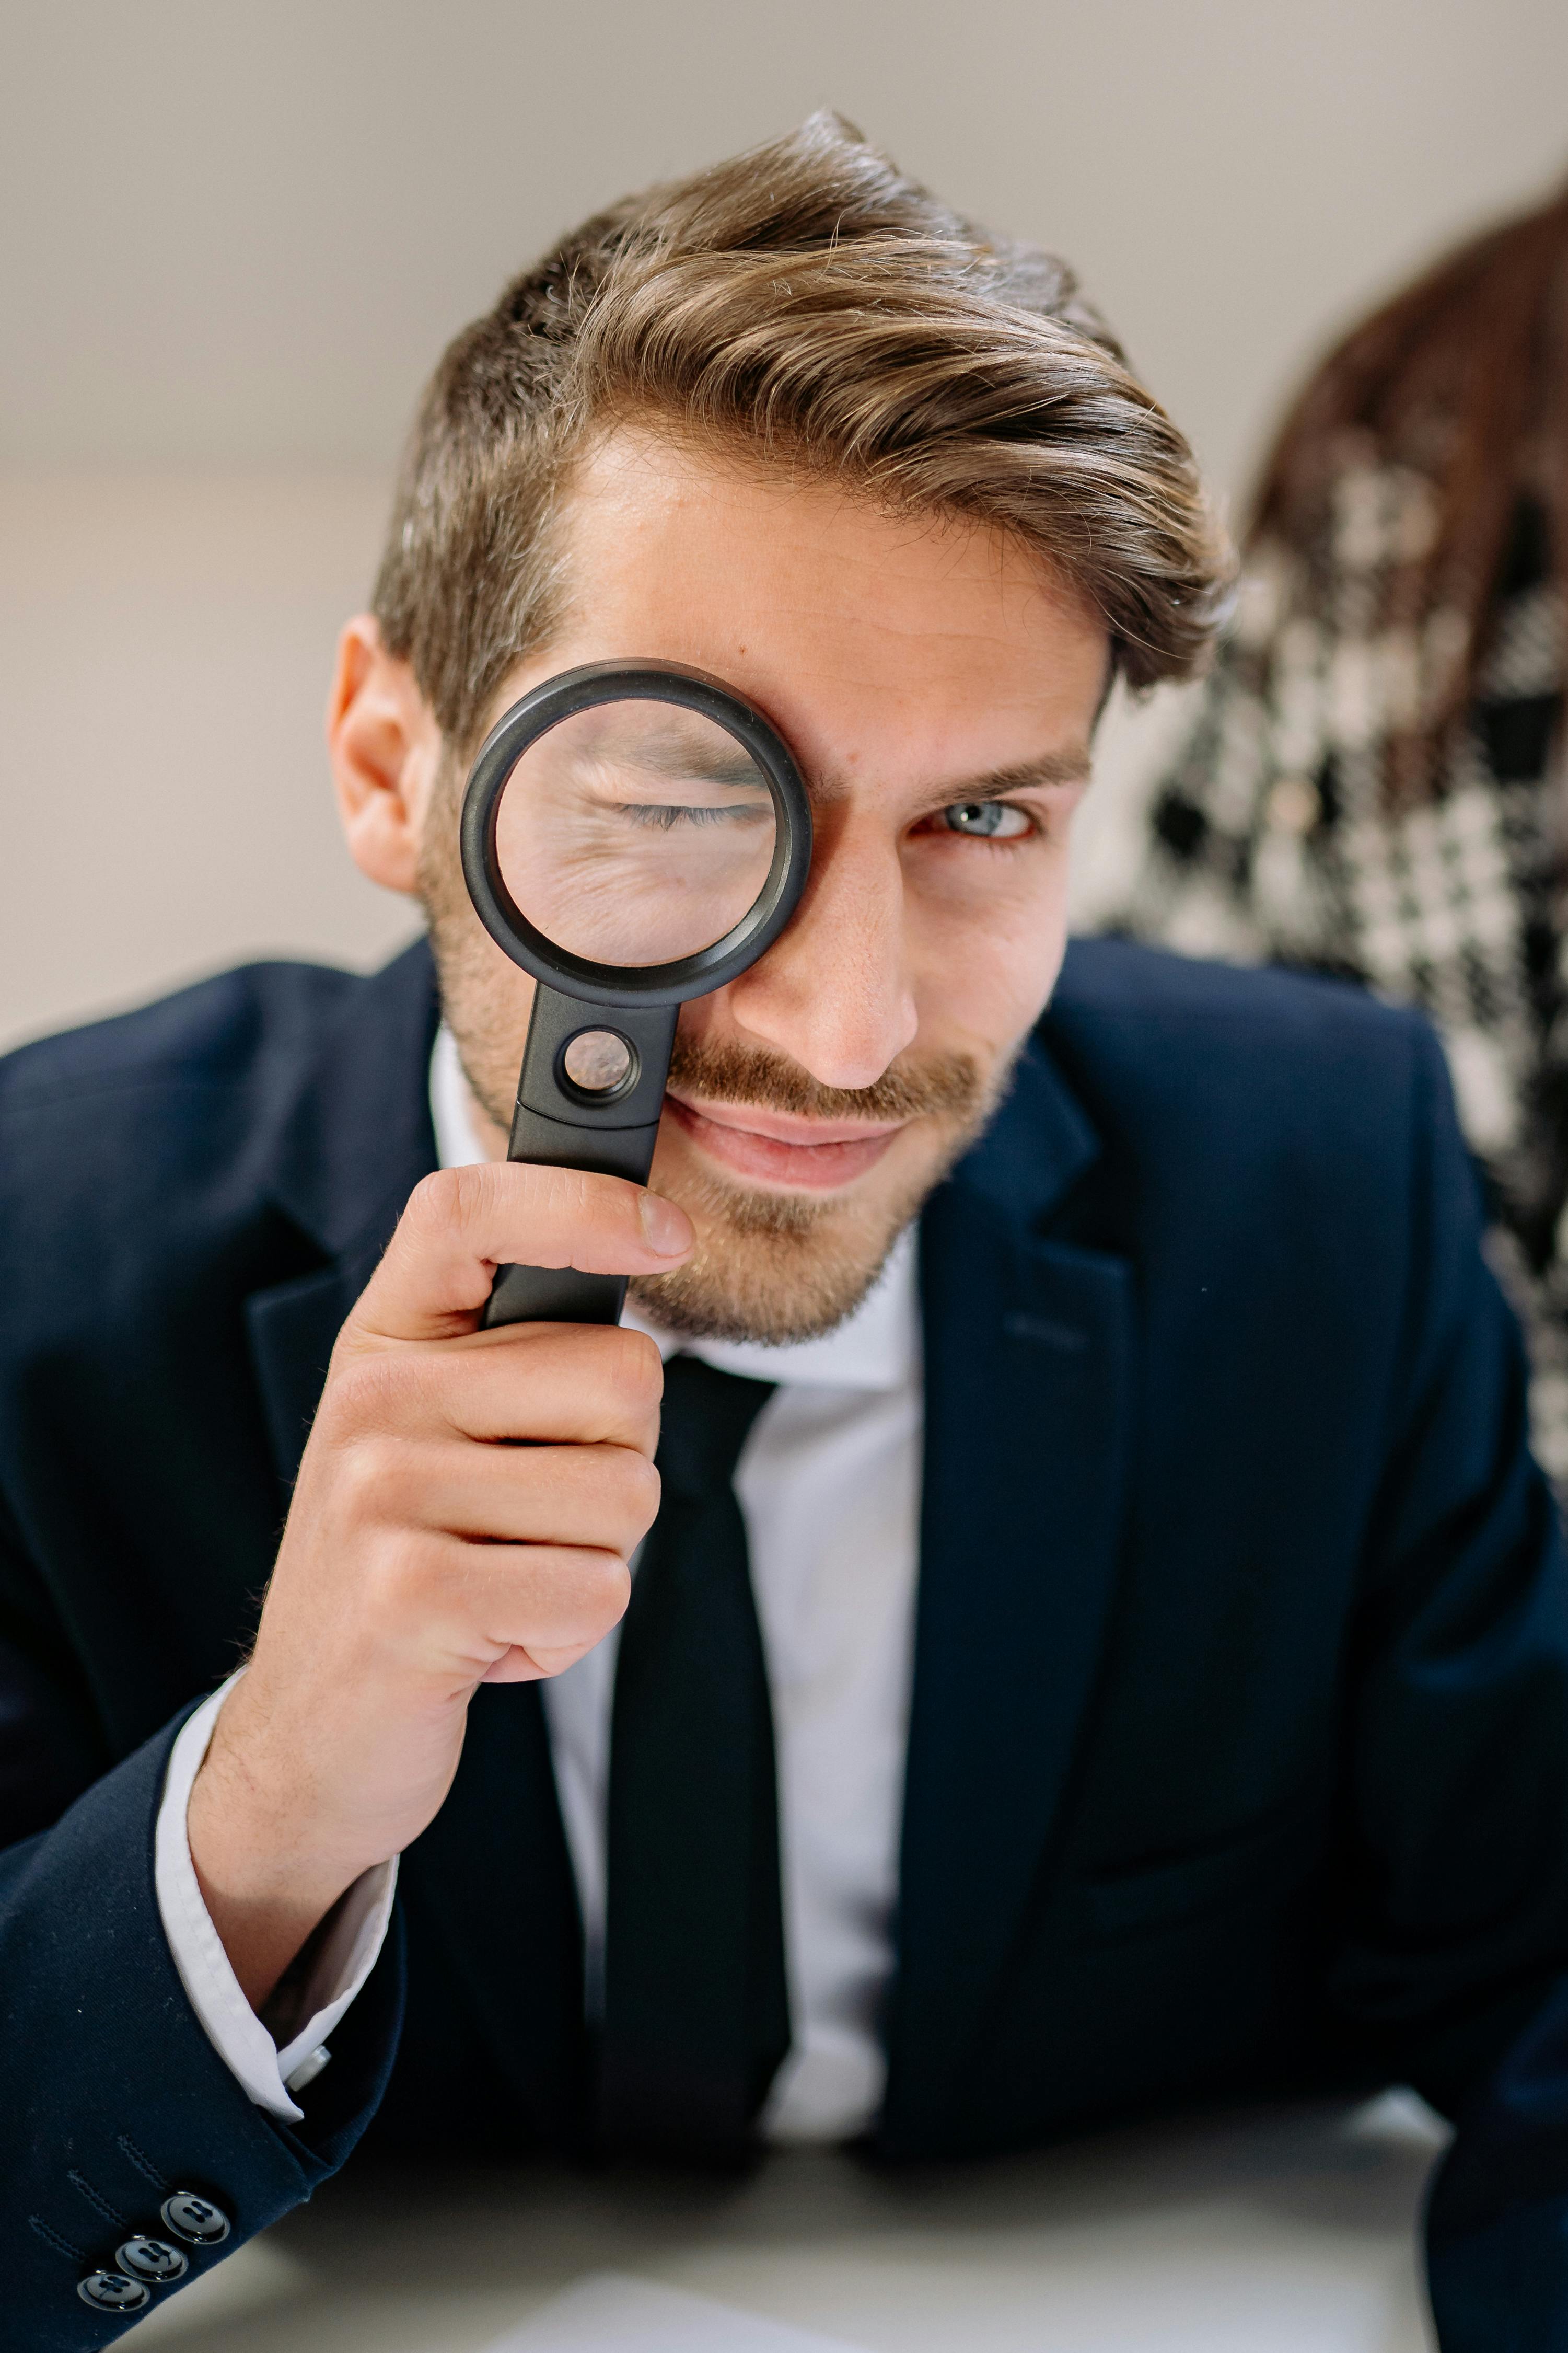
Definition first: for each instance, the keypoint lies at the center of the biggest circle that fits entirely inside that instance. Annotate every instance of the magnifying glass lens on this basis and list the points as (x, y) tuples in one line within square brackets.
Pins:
[(634, 833)]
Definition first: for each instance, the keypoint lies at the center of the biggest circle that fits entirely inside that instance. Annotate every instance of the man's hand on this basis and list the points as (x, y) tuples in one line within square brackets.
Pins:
[(465, 1512)]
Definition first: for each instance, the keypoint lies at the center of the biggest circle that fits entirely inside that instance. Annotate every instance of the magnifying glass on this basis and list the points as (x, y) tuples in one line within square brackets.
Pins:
[(632, 835)]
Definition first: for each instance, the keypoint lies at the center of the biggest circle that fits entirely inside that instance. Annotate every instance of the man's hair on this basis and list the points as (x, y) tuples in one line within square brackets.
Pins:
[(808, 306)]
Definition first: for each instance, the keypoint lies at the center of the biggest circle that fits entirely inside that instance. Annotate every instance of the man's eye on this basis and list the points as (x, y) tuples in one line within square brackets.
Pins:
[(993, 820), (665, 816)]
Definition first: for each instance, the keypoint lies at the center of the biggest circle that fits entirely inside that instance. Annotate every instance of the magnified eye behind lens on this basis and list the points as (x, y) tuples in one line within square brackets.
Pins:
[(635, 834)]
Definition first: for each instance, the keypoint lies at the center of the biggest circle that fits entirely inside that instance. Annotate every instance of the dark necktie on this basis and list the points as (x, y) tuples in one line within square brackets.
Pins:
[(695, 2011)]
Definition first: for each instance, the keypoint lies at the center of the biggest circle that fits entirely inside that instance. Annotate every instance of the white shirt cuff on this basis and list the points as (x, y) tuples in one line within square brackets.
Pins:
[(345, 1958)]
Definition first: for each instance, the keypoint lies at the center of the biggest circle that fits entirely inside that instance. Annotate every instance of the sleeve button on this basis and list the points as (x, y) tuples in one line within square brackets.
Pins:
[(113, 2292), (196, 2219), (153, 2260)]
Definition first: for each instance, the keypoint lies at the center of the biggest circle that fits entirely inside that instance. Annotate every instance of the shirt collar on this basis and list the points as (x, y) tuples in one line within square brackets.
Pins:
[(876, 1347)]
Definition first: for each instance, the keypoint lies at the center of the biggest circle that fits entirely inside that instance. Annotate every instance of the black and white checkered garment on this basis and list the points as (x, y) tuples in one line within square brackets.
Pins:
[(1271, 838)]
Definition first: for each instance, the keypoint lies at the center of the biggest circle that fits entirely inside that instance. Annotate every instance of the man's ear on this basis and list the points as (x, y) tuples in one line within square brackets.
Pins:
[(386, 750)]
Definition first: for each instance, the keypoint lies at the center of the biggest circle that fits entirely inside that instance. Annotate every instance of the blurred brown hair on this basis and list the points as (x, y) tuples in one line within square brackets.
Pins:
[(807, 305), (1463, 378)]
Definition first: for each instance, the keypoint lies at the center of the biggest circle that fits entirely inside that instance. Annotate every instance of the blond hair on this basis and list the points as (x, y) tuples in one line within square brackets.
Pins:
[(808, 305)]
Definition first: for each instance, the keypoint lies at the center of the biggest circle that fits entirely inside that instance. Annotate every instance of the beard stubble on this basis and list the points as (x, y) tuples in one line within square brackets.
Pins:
[(781, 1267)]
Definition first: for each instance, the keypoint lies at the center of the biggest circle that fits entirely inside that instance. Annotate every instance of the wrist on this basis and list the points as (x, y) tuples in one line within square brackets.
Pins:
[(268, 1872)]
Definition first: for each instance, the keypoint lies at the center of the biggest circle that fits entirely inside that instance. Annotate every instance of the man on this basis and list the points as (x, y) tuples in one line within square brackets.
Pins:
[(1146, 1684)]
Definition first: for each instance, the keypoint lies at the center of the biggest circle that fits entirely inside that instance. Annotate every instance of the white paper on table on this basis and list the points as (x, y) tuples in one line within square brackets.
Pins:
[(612, 2313)]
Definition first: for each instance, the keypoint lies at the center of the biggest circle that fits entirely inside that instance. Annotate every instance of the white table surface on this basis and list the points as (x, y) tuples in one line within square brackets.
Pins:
[(1292, 2232)]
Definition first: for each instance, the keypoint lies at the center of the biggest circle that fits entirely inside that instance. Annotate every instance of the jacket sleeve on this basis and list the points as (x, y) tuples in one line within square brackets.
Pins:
[(113, 2103), (1450, 1971)]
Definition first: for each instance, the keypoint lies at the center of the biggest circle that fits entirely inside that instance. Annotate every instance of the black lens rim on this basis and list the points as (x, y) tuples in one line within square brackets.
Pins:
[(562, 697)]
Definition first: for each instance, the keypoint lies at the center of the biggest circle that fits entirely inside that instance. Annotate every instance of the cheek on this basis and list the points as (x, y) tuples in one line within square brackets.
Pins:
[(484, 983), (987, 961), (487, 998)]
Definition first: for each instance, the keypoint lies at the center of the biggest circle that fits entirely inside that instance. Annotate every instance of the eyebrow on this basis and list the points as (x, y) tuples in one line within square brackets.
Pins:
[(668, 758), (703, 766), (1070, 767)]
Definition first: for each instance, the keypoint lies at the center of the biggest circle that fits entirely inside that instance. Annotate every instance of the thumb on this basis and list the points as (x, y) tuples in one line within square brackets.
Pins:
[(462, 1223)]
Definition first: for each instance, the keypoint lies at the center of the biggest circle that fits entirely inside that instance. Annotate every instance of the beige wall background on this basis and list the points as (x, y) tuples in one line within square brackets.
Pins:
[(233, 239)]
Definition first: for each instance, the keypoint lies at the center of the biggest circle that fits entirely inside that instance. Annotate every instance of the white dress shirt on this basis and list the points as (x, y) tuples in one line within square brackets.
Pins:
[(828, 1484)]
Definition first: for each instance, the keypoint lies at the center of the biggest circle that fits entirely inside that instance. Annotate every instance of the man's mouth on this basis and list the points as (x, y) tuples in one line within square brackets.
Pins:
[(773, 1147)]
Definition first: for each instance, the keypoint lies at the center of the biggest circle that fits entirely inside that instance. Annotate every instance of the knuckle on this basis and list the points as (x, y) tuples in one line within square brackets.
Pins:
[(579, 1199), (605, 1590), (420, 1383), (396, 1576), (368, 1478), (437, 1202), (572, 1191), (366, 1391), (642, 1487), (451, 1202), (638, 1369)]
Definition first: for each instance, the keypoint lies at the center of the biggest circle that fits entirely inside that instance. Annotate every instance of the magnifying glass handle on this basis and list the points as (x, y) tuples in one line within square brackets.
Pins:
[(610, 1132)]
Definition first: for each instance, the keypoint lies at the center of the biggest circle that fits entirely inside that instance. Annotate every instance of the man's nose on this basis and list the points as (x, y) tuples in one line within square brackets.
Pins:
[(834, 991)]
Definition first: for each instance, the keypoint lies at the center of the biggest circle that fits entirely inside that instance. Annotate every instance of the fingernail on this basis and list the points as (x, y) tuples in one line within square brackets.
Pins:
[(667, 1228)]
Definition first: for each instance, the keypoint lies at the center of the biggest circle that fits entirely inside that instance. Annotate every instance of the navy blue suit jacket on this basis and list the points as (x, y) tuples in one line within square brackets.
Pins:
[(1238, 1759)]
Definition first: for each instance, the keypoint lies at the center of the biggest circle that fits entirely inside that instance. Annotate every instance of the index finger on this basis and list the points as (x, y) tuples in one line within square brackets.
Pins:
[(462, 1223)]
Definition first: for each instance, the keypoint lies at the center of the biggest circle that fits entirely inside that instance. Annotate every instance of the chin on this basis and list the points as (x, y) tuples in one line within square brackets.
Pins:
[(784, 1265), (773, 1288)]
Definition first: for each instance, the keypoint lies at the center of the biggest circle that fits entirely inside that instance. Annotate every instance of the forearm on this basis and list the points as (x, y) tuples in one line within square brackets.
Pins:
[(273, 2051), (265, 1886)]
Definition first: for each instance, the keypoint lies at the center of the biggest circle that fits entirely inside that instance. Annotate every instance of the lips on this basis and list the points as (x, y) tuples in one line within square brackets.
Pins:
[(773, 1148)]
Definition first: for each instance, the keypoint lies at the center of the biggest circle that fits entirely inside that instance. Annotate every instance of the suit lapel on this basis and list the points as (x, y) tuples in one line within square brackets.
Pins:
[(490, 1876), (1027, 1377), (354, 1143), (291, 1327)]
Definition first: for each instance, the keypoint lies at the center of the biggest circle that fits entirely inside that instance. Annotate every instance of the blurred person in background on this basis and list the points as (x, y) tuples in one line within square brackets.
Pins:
[(1375, 784)]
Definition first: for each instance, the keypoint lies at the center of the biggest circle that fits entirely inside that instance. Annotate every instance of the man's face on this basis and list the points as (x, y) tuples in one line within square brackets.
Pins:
[(937, 688)]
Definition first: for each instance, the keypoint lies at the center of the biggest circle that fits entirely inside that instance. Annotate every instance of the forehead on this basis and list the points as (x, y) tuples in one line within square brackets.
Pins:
[(865, 635)]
